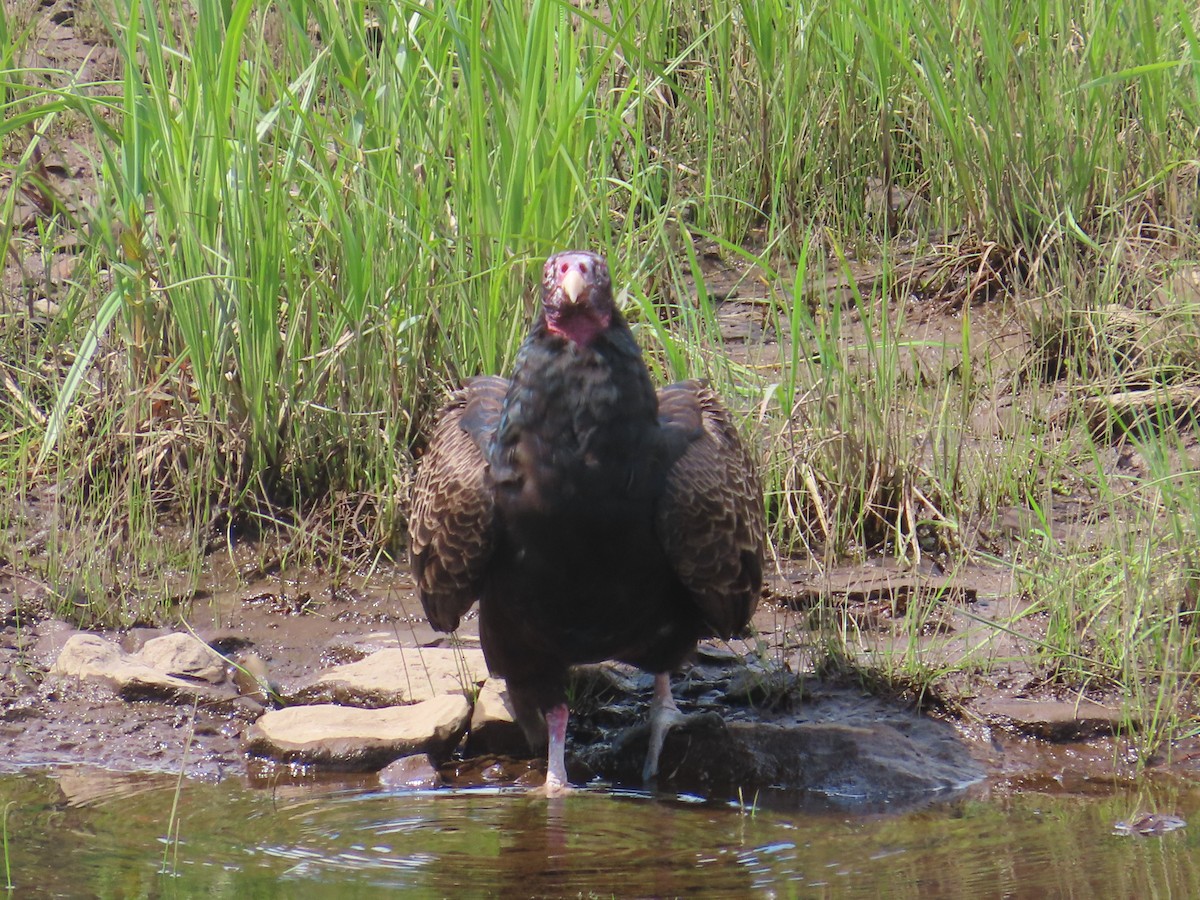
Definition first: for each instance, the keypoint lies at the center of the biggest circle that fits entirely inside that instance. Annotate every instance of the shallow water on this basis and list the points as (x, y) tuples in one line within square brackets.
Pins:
[(82, 833)]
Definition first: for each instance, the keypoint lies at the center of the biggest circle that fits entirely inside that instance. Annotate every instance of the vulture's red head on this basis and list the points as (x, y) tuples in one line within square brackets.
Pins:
[(577, 295)]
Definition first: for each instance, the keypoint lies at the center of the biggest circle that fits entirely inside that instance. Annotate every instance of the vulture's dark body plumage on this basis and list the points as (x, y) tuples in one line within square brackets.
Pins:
[(591, 517)]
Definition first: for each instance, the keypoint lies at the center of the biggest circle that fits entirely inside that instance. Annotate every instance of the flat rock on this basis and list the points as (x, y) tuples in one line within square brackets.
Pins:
[(92, 658), (494, 727), (710, 653), (348, 739), (399, 675), (1050, 719), (184, 656)]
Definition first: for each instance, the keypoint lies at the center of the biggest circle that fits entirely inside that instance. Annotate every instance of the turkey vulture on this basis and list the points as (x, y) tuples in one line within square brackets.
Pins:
[(591, 518)]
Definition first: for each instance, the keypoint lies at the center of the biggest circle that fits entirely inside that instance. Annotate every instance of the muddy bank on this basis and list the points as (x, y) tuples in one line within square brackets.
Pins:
[(761, 717)]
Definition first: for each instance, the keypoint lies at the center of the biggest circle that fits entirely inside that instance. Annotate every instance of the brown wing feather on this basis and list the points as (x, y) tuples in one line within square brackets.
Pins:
[(710, 518), (452, 523)]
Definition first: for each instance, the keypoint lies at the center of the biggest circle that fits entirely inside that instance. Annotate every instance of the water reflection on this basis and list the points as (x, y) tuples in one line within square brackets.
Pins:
[(515, 844), (321, 841)]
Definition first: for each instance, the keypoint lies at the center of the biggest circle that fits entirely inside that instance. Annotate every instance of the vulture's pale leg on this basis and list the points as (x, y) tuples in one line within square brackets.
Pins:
[(556, 763), (664, 715)]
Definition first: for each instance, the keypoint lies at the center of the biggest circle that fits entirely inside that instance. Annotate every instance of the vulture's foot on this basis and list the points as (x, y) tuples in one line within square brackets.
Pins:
[(664, 715), (552, 788)]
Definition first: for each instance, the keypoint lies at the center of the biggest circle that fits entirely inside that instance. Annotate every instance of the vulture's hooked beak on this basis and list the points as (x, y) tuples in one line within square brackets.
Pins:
[(573, 285)]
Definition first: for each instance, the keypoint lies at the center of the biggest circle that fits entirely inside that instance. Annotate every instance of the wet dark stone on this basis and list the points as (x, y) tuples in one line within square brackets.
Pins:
[(602, 682), (228, 643), (411, 772), (845, 747), (615, 715), (769, 688), (490, 769), (851, 763)]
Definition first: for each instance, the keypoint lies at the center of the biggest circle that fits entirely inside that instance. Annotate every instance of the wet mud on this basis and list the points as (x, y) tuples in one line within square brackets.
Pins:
[(1003, 723)]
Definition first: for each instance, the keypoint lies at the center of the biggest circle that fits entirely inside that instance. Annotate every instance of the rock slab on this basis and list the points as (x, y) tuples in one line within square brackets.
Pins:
[(1059, 721), (184, 656), (92, 658), (399, 675), (348, 739), (494, 727)]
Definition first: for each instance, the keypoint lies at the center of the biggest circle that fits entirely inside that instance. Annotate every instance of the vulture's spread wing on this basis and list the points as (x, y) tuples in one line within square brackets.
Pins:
[(710, 517), (451, 531)]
